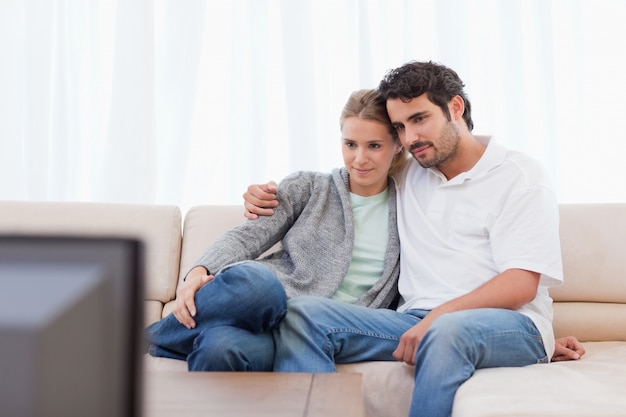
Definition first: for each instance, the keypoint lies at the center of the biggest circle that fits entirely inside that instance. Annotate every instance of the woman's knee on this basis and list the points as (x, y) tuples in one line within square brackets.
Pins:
[(255, 278), (227, 348)]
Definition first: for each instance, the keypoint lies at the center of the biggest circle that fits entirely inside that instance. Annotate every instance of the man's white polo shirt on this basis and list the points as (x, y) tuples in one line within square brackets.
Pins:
[(456, 235)]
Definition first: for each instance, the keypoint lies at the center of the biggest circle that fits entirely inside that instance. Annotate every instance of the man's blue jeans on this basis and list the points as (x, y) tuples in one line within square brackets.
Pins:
[(317, 333), (236, 313)]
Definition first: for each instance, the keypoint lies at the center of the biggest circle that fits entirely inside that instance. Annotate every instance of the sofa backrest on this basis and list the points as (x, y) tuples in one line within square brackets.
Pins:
[(591, 304), (158, 226)]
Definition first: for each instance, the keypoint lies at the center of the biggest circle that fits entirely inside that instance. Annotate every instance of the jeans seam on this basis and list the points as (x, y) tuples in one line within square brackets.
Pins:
[(515, 332), (336, 330)]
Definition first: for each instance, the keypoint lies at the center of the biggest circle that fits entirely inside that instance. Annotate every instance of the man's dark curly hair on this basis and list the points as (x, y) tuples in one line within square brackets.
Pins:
[(416, 78)]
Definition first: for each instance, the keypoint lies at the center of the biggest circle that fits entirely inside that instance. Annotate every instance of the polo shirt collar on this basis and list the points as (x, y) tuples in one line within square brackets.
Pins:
[(493, 156)]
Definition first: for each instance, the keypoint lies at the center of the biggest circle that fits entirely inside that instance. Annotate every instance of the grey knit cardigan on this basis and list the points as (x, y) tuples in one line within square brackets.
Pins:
[(315, 224)]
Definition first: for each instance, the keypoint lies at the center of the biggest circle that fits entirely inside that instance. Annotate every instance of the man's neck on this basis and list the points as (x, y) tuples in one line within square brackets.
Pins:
[(469, 152)]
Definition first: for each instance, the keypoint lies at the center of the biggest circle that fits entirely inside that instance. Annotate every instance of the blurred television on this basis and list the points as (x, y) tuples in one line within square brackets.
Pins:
[(71, 326)]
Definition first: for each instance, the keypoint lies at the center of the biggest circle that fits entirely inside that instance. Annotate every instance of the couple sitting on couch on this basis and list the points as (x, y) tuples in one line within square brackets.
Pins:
[(480, 247)]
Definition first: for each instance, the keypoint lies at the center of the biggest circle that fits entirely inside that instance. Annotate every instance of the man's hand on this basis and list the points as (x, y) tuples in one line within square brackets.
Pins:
[(185, 305), (259, 200), (410, 341), (567, 348)]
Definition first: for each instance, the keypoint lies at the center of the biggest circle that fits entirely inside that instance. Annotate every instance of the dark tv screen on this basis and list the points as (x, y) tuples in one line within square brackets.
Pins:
[(70, 326)]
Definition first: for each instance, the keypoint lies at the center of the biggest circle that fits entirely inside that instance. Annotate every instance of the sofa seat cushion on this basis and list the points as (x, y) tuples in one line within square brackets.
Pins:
[(153, 363), (387, 387), (591, 386), (595, 386)]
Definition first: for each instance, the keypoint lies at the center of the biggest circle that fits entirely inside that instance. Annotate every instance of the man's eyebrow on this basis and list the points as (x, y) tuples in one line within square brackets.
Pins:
[(412, 117), (417, 115)]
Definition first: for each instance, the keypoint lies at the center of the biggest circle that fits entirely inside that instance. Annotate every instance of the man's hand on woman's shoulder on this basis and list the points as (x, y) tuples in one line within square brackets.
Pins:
[(259, 200)]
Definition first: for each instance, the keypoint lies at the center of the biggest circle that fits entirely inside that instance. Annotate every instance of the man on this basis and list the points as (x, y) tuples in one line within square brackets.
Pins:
[(479, 233)]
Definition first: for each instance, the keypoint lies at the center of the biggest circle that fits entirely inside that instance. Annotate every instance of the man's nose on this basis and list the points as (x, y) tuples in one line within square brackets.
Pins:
[(410, 135)]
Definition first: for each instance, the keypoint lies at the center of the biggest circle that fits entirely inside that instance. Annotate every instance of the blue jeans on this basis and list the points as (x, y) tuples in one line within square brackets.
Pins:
[(317, 333), (236, 313)]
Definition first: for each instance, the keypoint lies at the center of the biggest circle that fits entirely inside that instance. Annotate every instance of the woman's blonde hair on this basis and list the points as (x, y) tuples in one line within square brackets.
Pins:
[(369, 105)]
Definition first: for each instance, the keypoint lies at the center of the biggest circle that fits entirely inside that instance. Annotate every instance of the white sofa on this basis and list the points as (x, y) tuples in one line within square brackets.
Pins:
[(591, 305)]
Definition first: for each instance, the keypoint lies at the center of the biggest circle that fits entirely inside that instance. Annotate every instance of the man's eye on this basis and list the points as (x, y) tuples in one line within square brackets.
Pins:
[(399, 128)]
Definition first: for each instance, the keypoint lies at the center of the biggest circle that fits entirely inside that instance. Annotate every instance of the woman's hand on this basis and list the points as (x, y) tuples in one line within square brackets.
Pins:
[(185, 305)]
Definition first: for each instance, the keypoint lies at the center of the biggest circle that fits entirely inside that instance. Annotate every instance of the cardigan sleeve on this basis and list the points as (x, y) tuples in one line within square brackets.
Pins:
[(253, 237)]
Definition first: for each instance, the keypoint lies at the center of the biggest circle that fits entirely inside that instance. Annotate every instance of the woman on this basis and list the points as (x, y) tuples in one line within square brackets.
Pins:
[(339, 240)]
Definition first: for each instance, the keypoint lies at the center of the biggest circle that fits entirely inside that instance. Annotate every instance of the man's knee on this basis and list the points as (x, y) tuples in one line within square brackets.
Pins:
[(451, 328)]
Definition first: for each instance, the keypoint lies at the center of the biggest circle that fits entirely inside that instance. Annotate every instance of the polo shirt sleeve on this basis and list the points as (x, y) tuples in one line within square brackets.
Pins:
[(526, 234)]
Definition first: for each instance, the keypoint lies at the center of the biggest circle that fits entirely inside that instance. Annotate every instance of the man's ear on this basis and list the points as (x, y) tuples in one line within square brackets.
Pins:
[(456, 105)]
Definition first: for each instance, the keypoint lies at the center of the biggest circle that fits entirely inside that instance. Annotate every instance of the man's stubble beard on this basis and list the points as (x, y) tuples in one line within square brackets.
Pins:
[(447, 148)]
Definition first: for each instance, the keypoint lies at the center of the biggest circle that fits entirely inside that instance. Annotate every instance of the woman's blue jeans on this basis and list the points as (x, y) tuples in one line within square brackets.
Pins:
[(236, 313), (317, 333)]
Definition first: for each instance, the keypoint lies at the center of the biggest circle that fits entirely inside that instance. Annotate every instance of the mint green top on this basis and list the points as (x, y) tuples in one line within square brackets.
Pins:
[(371, 233)]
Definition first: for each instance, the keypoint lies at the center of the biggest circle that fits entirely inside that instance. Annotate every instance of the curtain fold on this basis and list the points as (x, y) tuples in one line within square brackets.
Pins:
[(188, 102)]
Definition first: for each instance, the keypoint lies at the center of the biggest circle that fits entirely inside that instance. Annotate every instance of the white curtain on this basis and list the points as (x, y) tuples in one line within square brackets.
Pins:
[(188, 102)]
